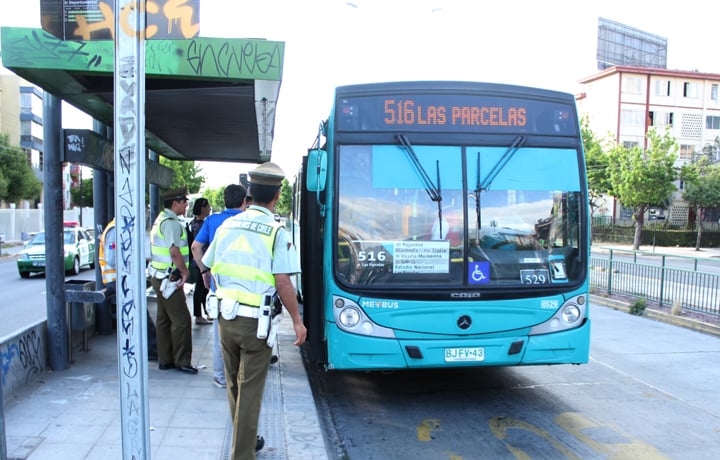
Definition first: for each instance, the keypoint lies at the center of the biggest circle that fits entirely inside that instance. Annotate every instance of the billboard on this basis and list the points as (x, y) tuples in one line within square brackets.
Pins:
[(95, 19), (619, 44)]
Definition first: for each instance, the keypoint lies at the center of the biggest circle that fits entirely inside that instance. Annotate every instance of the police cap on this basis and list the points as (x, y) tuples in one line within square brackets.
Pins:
[(175, 194), (267, 174)]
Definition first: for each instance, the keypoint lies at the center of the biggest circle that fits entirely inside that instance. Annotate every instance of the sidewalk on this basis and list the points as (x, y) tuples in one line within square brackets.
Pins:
[(75, 414), (704, 253)]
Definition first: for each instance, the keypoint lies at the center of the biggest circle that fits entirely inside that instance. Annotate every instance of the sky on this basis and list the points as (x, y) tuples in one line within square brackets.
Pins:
[(329, 43)]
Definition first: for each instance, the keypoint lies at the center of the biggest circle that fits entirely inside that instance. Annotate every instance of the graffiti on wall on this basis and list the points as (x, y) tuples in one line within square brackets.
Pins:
[(22, 356), (95, 20), (199, 57)]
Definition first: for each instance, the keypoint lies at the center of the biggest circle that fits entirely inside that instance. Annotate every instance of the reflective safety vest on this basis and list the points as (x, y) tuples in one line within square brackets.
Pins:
[(160, 247), (106, 254), (243, 258)]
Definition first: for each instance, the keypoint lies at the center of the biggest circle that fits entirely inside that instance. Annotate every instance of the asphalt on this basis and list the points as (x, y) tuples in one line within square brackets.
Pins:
[(75, 414)]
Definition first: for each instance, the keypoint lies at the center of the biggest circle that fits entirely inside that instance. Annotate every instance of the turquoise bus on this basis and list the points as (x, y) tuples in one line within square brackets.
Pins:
[(445, 224)]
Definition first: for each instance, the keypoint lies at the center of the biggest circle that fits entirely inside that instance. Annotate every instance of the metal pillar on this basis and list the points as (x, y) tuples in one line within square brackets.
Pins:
[(57, 324), (103, 314), (129, 145), (154, 192)]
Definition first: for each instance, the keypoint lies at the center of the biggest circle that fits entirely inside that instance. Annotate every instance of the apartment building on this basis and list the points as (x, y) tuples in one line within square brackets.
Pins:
[(624, 102)]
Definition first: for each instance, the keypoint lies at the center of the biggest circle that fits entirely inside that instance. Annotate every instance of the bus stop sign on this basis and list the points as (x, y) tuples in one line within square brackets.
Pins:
[(95, 19)]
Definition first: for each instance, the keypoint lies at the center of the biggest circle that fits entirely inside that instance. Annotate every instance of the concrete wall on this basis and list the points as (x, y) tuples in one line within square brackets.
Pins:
[(23, 358)]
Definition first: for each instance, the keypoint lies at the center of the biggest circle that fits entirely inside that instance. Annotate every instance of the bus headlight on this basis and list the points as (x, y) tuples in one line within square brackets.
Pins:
[(570, 315), (351, 318)]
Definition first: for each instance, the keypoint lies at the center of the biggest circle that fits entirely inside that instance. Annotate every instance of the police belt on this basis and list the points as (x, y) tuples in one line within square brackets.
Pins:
[(239, 309), (157, 273)]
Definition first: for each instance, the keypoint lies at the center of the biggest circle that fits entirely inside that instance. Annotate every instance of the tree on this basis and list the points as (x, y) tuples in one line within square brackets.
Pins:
[(216, 197), (640, 180), (702, 189), (17, 175), (82, 196), (186, 174), (596, 163), (284, 204)]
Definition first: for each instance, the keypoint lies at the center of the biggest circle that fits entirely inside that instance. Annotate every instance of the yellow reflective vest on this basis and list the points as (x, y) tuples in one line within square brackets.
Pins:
[(160, 247), (243, 252), (107, 255)]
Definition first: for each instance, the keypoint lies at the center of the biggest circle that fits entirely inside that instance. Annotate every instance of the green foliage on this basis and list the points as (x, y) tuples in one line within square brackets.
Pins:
[(638, 307), (185, 174), (596, 162), (16, 174), (643, 179), (284, 204), (84, 192), (702, 187), (216, 198)]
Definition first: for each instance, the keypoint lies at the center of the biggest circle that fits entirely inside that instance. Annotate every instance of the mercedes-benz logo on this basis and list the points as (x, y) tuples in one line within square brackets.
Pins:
[(464, 322)]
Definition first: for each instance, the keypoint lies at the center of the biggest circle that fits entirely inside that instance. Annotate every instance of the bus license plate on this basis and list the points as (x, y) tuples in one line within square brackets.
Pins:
[(464, 354)]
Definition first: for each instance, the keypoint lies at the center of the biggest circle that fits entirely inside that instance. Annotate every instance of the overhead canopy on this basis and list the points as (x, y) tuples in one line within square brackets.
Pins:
[(209, 99)]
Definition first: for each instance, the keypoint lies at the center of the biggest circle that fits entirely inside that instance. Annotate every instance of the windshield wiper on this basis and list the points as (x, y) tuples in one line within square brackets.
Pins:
[(433, 191), (483, 186), (517, 143)]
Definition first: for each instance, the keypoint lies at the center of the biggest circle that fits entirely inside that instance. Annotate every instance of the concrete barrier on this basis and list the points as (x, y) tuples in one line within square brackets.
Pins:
[(23, 358)]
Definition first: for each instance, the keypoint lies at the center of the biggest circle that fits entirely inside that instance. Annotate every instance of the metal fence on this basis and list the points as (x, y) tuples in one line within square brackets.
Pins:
[(18, 224), (690, 282)]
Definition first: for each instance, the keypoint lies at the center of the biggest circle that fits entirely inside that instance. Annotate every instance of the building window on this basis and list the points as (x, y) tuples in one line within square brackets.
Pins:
[(661, 118), (662, 87), (632, 85), (632, 117), (690, 89), (714, 92), (687, 151), (629, 144), (712, 122)]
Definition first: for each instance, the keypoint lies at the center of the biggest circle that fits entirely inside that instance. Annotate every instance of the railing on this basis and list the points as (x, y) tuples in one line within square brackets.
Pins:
[(691, 282)]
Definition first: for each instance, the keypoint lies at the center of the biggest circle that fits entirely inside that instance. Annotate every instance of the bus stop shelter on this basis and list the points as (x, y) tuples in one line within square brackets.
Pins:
[(210, 99), (205, 99)]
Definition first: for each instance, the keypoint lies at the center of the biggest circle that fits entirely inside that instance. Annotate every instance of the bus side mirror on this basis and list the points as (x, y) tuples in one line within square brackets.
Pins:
[(316, 170)]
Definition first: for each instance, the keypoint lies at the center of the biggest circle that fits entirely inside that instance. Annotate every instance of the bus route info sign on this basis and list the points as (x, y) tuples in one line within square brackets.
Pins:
[(95, 19), (421, 257)]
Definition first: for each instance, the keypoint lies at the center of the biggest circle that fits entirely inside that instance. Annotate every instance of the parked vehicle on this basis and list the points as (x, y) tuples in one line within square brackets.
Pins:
[(79, 251)]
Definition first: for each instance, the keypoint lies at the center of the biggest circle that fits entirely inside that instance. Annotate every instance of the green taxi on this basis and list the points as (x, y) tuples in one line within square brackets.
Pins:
[(79, 251)]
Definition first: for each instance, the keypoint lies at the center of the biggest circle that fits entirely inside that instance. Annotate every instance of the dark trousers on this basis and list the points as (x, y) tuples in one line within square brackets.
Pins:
[(247, 361), (174, 328), (199, 296)]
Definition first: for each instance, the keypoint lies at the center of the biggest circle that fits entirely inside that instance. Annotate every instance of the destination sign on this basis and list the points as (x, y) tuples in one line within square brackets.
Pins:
[(454, 113)]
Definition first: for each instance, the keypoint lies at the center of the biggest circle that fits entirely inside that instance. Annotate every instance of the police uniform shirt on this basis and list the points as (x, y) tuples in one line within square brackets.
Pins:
[(172, 229), (285, 258)]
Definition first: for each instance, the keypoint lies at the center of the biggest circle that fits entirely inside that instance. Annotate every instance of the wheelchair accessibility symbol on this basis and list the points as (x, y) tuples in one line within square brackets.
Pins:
[(479, 272)]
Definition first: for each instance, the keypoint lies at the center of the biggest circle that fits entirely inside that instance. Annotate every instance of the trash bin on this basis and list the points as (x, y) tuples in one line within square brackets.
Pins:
[(82, 314)]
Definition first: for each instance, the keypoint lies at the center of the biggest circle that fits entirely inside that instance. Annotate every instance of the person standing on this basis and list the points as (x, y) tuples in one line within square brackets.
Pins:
[(250, 257), (234, 196), (169, 259), (107, 260), (201, 210)]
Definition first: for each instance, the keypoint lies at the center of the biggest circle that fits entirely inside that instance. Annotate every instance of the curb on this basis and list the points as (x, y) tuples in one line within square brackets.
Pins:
[(655, 315)]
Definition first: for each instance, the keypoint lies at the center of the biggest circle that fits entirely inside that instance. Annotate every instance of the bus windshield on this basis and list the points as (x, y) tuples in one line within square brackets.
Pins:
[(511, 219)]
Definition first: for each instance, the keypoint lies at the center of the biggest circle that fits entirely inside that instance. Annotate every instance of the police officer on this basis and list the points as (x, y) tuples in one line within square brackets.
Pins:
[(250, 256), (170, 253)]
